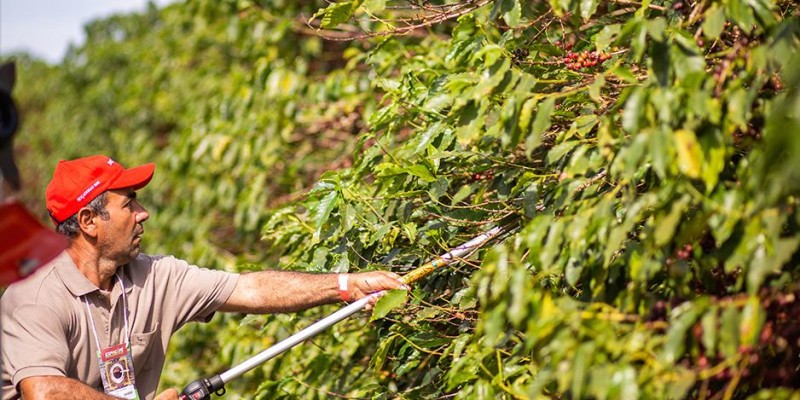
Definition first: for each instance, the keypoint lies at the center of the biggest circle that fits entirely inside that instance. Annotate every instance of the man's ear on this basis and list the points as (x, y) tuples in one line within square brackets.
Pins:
[(87, 222)]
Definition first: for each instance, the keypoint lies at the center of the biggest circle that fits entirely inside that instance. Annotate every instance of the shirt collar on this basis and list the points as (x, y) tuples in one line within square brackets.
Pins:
[(78, 284)]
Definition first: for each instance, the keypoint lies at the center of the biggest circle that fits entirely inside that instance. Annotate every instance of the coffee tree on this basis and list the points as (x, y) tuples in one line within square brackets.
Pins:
[(643, 144), (649, 150)]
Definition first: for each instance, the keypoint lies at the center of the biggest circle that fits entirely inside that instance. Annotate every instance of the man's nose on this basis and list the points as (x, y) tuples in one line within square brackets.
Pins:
[(142, 214)]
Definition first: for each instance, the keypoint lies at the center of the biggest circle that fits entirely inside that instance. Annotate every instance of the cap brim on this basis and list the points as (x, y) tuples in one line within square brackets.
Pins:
[(136, 177)]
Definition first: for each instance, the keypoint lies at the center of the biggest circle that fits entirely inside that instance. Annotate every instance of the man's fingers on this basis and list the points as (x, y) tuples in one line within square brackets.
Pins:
[(371, 282), (373, 300), (392, 281)]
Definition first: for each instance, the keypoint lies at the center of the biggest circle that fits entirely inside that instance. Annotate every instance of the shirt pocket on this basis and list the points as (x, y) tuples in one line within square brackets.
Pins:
[(142, 346)]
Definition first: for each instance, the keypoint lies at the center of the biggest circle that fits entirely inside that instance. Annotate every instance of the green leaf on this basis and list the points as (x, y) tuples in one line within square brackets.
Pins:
[(764, 13), (713, 146), (753, 317), (438, 188), (713, 22), (681, 319), (738, 108), (379, 234), (769, 260), (596, 87), (665, 227), (581, 365), (324, 208), (657, 27), (422, 172), (438, 103), (729, 332), (461, 371), (633, 111), (338, 13), (584, 125), (513, 14), (375, 6), (662, 151), (553, 246), (379, 358), (722, 225), (525, 114), (458, 345), (491, 76), (710, 324), (540, 125), (624, 73), (510, 120), (588, 8), (624, 385), (606, 35), (560, 150), (741, 13), (518, 309), (462, 193), (690, 155), (391, 300), (661, 63), (573, 271)]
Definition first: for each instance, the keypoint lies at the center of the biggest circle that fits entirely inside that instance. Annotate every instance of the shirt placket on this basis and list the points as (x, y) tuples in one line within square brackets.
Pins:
[(114, 329), (104, 312)]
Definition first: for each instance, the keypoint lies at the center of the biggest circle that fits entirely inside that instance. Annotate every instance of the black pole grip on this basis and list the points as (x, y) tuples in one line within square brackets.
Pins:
[(201, 389)]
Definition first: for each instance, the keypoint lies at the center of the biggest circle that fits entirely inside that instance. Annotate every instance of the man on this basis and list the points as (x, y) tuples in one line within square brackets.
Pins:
[(75, 327)]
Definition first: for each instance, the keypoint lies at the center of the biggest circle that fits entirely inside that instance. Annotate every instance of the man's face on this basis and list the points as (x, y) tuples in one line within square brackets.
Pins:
[(120, 235)]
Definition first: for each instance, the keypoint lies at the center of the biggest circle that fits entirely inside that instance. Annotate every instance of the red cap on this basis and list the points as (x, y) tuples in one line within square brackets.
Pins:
[(76, 183)]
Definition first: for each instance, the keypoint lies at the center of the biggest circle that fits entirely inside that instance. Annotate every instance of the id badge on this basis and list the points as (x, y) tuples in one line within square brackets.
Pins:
[(116, 371)]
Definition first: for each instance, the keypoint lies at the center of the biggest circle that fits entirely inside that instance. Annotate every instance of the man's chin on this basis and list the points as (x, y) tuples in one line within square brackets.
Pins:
[(135, 252)]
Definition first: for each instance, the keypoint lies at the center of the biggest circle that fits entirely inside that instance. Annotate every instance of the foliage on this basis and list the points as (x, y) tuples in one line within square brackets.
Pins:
[(649, 149)]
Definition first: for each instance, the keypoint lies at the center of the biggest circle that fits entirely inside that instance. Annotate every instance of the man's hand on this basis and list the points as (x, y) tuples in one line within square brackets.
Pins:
[(169, 394), (365, 283)]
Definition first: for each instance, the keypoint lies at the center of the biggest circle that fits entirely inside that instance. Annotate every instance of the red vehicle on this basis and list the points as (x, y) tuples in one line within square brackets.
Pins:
[(25, 243)]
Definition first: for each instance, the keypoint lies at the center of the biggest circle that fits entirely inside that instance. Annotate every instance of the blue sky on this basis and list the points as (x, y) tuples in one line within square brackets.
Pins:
[(45, 28)]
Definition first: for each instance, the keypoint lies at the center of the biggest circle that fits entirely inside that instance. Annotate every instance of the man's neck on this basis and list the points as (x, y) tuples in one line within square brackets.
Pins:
[(97, 270)]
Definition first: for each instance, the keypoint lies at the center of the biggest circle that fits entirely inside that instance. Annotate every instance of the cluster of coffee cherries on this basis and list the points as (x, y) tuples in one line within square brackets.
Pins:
[(584, 59), (685, 253), (482, 176)]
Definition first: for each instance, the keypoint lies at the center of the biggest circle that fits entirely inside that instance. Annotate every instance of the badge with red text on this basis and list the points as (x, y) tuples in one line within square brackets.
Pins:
[(116, 371)]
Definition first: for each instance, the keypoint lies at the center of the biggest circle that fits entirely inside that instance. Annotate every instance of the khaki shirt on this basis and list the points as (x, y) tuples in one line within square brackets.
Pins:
[(46, 329)]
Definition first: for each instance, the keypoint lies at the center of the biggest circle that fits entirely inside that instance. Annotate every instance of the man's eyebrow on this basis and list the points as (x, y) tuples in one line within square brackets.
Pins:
[(131, 195)]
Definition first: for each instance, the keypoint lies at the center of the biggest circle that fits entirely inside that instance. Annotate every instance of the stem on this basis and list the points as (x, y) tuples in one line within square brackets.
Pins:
[(441, 17)]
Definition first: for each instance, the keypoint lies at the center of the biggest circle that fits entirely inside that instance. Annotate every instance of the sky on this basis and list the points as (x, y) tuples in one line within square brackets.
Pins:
[(45, 28)]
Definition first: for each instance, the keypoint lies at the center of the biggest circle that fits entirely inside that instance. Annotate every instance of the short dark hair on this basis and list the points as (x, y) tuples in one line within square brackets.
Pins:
[(70, 227)]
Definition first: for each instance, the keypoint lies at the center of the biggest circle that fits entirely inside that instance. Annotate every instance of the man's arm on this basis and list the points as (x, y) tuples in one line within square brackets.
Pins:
[(287, 291), (63, 388), (58, 387)]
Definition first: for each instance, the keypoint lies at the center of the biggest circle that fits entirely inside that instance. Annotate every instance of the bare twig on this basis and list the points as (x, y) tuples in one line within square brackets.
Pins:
[(426, 21), (602, 174), (636, 3)]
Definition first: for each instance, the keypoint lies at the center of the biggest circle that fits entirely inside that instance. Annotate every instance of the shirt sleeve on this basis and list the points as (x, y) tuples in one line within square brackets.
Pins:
[(33, 343), (193, 293)]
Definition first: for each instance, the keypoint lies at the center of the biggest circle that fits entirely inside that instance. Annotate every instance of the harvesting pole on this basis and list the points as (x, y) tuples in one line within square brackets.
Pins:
[(202, 389)]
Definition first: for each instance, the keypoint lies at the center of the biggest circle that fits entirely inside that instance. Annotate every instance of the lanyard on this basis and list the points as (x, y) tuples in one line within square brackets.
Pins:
[(124, 314)]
